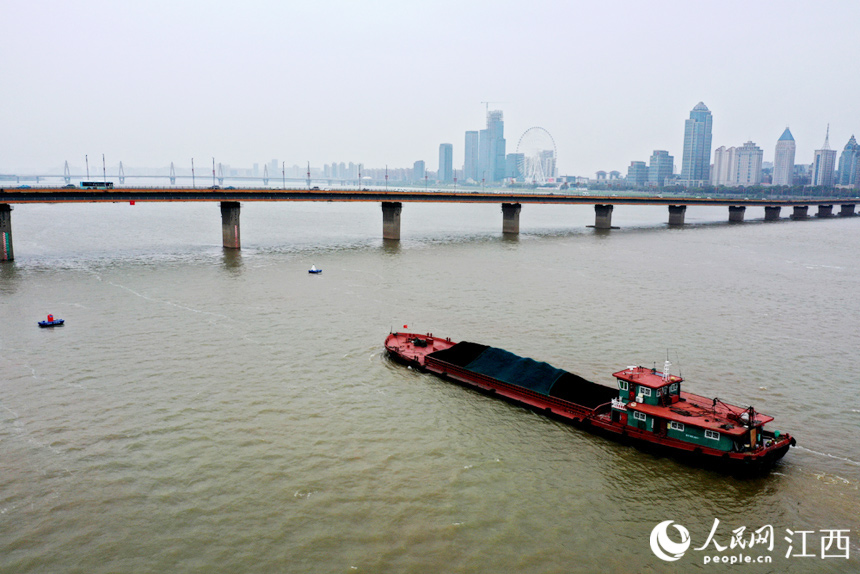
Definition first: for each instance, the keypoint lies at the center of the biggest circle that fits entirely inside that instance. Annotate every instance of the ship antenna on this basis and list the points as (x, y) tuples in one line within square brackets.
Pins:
[(678, 361)]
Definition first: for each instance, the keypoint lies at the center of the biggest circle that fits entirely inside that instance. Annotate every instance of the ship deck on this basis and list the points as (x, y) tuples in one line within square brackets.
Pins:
[(703, 412), (412, 347)]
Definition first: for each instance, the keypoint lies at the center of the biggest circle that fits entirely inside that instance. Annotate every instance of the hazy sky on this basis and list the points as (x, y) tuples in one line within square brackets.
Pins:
[(385, 82)]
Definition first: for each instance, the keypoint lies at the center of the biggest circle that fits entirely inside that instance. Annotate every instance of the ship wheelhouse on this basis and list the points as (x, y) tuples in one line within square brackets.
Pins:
[(651, 401)]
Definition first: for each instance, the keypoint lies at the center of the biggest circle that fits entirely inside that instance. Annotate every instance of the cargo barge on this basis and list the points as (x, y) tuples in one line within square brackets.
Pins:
[(647, 408)]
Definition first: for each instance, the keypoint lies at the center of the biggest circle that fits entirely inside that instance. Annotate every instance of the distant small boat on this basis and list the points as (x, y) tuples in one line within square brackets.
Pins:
[(314, 269), (51, 322)]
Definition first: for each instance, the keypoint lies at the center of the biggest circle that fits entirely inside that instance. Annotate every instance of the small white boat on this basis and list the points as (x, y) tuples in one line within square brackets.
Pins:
[(314, 269)]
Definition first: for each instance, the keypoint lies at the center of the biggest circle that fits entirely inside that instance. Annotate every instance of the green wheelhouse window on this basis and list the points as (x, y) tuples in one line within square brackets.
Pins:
[(713, 435), (640, 416), (622, 385), (676, 426)]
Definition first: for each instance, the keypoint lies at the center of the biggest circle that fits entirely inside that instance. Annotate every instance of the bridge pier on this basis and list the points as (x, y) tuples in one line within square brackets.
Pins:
[(603, 216), (511, 218), (824, 211), (771, 212), (230, 224), (6, 253), (736, 213), (676, 214), (847, 210), (391, 219), (800, 212)]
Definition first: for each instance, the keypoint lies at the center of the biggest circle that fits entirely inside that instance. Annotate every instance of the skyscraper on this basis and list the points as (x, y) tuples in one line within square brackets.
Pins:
[(491, 149), (749, 158), (661, 167), (696, 161), (514, 166), (470, 165), (783, 162), (446, 163), (495, 167), (418, 170), (725, 166), (637, 174), (823, 163), (848, 163)]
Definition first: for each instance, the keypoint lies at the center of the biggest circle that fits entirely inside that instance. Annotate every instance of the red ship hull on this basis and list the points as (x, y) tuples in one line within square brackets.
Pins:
[(417, 351)]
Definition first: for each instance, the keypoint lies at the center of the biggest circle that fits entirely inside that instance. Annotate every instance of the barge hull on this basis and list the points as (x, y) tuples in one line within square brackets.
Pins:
[(420, 352)]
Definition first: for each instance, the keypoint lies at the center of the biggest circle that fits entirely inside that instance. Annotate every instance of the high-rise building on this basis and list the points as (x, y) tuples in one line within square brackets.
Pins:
[(470, 166), (848, 163), (637, 174), (484, 171), (696, 161), (418, 170), (823, 164), (491, 149), (547, 160), (749, 158), (725, 166), (446, 163), (783, 162), (661, 168), (496, 133), (514, 166)]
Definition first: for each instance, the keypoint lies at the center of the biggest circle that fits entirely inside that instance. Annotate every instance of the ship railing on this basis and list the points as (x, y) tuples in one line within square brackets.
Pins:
[(602, 409)]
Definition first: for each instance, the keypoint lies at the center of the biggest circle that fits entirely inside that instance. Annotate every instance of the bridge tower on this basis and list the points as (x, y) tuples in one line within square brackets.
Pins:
[(67, 175), (265, 174), (121, 174), (309, 175), (172, 174), (220, 174)]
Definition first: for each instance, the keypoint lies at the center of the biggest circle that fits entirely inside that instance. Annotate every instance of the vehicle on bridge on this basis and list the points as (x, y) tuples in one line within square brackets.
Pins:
[(97, 184)]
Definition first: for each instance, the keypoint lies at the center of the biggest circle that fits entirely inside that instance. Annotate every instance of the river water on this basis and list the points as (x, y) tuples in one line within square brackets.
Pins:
[(216, 411)]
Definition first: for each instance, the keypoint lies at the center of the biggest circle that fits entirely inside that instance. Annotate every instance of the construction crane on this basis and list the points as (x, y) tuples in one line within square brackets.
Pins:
[(487, 104)]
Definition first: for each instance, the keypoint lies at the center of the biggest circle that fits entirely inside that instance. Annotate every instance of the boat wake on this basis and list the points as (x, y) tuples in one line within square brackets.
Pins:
[(833, 456)]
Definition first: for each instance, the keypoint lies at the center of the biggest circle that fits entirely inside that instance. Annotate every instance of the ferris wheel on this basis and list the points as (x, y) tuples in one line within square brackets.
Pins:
[(538, 156)]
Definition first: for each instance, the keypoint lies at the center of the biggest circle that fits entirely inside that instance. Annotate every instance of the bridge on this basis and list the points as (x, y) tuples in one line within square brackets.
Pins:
[(392, 204)]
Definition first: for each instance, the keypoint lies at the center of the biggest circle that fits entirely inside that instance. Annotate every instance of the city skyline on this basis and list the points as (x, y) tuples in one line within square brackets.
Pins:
[(165, 82), (724, 169)]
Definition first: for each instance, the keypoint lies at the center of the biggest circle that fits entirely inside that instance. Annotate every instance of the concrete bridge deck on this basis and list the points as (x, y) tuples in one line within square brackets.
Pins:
[(392, 204), (78, 195)]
